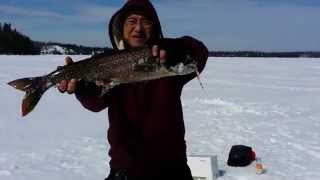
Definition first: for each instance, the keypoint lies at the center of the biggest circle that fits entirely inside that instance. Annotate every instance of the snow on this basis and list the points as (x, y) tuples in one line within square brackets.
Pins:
[(51, 49), (270, 104)]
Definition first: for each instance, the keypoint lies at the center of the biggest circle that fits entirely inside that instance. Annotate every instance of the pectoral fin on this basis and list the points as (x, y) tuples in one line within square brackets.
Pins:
[(107, 85)]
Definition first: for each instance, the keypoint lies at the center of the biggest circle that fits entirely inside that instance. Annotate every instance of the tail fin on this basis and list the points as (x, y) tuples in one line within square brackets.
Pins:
[(34, 88)]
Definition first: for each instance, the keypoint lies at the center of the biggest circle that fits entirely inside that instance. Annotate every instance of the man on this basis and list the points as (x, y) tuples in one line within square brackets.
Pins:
[(146, 128)]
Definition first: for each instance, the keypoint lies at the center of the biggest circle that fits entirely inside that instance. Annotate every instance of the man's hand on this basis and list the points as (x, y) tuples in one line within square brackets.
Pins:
[(67, 86), (156, 51)]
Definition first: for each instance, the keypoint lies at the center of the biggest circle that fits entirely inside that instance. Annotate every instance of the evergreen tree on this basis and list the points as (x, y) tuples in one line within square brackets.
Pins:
[(7, 27), (13, 42)]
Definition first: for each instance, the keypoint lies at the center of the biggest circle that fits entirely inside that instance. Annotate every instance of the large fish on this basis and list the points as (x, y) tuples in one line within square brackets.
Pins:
[(109, 70)]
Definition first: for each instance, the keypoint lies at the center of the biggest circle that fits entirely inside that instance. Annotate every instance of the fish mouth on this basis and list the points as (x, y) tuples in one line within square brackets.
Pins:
[(188, 66), (183, 69)]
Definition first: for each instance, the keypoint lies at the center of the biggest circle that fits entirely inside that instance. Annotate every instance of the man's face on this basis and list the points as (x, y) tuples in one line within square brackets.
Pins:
[(137, 30)]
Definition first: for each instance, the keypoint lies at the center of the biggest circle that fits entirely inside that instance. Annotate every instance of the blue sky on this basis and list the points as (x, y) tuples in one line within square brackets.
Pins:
[(268, 25)]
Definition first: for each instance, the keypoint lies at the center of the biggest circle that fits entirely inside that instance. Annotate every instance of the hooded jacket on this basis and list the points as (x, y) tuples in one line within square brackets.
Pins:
[(132, 6), (146, 128)]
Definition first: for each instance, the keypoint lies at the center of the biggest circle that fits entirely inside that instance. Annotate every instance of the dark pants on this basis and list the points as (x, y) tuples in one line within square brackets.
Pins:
[(181, 172)]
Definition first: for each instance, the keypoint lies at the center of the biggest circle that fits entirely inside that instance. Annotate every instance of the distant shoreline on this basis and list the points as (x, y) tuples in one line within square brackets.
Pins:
[(293, 54)]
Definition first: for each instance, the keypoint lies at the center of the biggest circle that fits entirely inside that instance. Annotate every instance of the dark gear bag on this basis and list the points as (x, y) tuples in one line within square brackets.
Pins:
[(118, 174), (241, 155)]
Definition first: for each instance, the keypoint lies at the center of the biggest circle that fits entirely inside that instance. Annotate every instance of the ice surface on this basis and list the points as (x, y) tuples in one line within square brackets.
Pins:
[(268, 103)]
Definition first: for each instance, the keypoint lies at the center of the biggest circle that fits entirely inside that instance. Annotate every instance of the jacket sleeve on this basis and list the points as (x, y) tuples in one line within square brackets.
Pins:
[(178, 49), (90, 96)]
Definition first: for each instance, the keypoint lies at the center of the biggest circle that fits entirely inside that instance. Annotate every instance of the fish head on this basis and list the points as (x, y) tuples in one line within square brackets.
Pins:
[(184, 67), (153, 66), (151, 69)]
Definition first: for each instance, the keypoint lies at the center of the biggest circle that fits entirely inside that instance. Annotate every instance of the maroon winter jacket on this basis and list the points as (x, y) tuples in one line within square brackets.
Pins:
[(146, 128)]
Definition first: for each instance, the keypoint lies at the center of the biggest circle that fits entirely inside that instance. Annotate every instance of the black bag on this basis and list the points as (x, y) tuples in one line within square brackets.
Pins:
[(240, 155)]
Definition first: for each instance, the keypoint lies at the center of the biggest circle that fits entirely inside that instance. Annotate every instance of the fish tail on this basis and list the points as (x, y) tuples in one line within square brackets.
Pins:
[(34, 88)]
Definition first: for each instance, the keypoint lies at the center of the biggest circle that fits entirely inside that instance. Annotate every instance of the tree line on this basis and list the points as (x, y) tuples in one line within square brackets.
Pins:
[(70, 49), (14, 42), (292, 54)]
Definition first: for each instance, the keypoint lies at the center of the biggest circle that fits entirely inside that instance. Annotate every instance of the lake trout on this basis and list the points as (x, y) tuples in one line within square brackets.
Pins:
[(105, 70)]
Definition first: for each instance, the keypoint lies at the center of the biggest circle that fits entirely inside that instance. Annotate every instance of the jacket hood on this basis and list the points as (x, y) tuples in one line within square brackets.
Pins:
[(138, 6)]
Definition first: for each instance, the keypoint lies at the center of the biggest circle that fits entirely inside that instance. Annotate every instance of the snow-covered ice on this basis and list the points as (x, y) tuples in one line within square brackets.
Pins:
[(270, 104), (50, 49)]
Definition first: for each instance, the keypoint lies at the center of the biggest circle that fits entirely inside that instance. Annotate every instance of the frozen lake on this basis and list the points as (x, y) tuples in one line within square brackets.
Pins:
[(269, 104)]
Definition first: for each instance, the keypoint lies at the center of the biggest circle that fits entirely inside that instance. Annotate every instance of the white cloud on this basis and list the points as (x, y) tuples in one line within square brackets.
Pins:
[(16, 11), (243, 24), (221, 24), (84, 13), (96, 13)]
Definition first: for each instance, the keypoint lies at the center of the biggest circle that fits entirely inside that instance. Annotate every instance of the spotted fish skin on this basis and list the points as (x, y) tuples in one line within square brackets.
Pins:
[(109, 70)]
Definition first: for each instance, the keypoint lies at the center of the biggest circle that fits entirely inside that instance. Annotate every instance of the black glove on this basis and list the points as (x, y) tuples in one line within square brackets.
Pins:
[(87, 88)]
